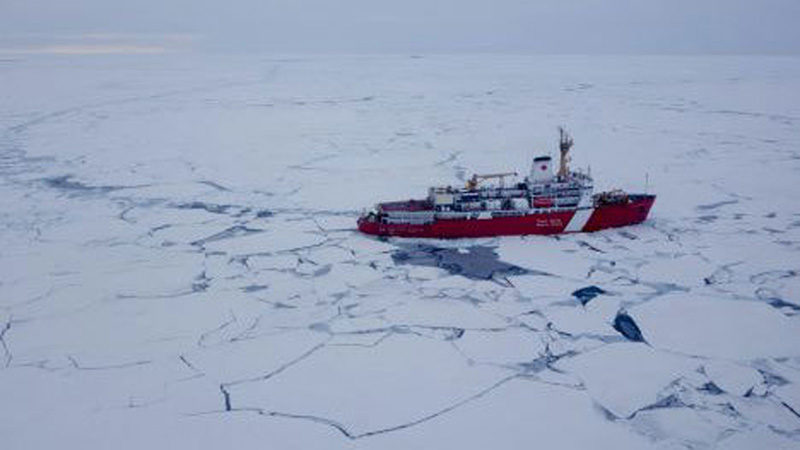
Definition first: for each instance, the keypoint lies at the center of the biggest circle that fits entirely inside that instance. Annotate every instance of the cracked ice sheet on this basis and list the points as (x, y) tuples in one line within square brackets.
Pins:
[(626, 377), (357, 387), (77, 283), (760, 437), (735, 379), (547, 254), (119, 331), (595, 318), (159, 159), (279, 238), (516, 415), (443, 311), (683, 269), (717, 328), (691, 427), (790, 394), (243, 356), (507, 347), (64, 413)]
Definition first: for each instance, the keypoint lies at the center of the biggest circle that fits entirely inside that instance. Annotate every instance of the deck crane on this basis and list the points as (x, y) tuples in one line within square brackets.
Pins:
[(472, 183)]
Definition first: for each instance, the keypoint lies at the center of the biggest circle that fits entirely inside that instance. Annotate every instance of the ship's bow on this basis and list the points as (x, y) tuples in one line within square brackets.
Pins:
[(641, 203), (368, 224), (632, 211)]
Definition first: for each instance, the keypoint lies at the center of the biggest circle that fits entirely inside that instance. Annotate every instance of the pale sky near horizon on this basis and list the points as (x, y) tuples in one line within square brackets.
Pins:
[(374, 26)]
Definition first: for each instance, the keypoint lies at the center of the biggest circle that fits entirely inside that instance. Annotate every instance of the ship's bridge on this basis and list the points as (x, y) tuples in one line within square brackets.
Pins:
[(555, 192)]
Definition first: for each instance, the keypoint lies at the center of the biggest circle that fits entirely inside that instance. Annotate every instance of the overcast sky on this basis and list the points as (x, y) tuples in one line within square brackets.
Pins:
[(436, 26)]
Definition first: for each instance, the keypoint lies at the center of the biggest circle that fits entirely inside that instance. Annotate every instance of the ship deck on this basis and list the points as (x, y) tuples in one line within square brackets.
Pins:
[(406, 206)]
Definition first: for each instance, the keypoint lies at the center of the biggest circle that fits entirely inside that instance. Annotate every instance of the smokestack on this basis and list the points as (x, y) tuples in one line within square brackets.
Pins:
[(541, 169)]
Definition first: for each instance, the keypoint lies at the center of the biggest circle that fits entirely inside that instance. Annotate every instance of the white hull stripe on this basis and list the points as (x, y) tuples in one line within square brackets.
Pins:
[(578, 220)]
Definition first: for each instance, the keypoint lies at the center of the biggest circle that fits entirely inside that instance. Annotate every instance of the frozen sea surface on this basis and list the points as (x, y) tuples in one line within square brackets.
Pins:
[(179, 265)]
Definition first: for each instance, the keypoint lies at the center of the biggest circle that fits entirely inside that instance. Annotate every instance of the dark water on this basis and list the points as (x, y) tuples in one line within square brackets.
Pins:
[(475, 263), (585, 295), (627, 327)]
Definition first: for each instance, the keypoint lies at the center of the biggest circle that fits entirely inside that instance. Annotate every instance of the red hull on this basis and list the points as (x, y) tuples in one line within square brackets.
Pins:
[(601, 217)]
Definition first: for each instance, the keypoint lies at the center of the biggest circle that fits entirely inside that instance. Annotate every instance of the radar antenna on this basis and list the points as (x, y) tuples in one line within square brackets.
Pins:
[(564, 144)]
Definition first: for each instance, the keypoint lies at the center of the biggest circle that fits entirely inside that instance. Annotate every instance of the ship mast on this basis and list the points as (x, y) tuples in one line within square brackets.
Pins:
[(564, 144)]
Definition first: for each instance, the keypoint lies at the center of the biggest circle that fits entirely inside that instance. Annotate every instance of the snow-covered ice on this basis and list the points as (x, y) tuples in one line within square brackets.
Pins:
[(180, 266)]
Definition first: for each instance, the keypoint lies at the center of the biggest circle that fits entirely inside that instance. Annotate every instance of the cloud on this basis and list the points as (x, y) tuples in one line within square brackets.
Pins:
[(344, 26), (96, 43)]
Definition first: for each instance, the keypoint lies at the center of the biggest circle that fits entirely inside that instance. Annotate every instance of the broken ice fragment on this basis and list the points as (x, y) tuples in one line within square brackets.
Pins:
[(228, 233), (711, 388), (732, 378)]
